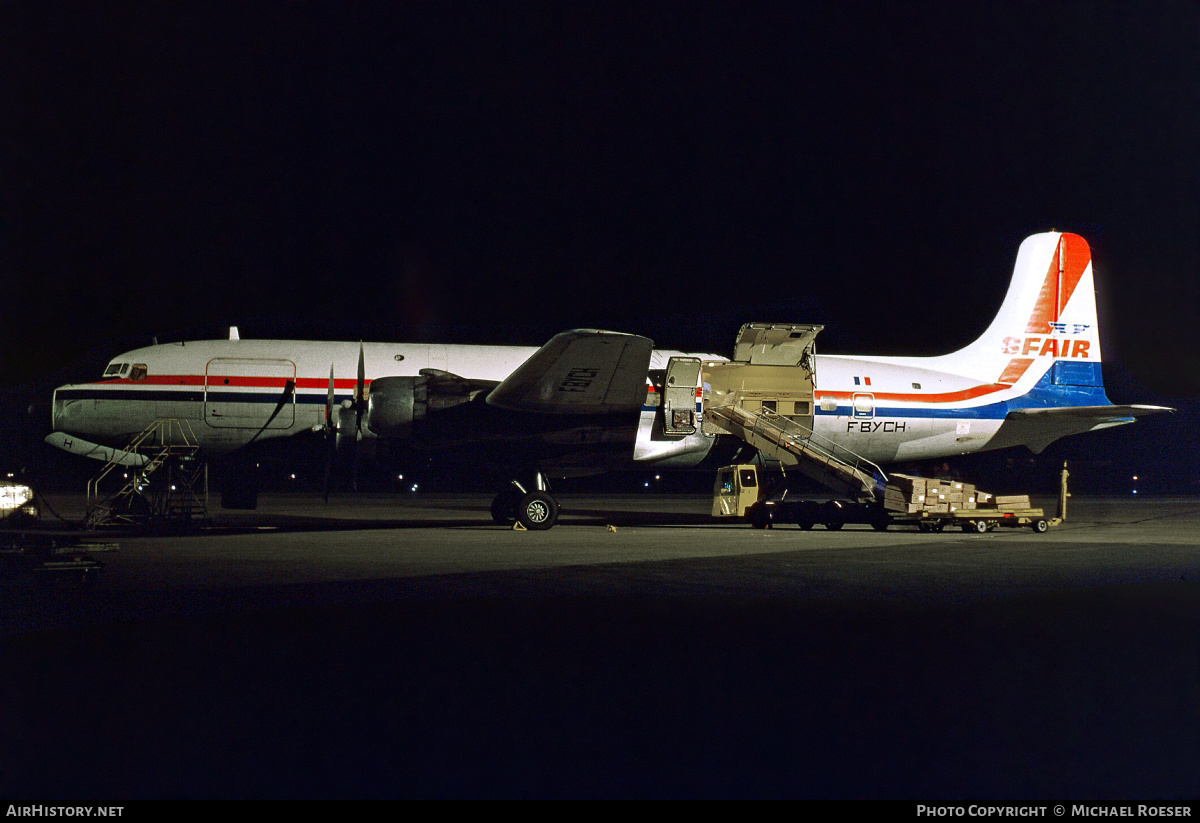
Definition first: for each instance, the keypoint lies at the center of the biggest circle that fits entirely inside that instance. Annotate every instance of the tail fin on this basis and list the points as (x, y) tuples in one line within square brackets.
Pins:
[(1043, 347), (1046, 332)]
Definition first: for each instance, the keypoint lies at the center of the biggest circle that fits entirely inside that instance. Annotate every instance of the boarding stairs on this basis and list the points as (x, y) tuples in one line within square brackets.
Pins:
[(170, 487), (794, 444)]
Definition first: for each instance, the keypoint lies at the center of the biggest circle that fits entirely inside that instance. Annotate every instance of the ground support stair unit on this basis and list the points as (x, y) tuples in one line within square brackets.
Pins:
[(796, 446), (169, 488), (764, 396)]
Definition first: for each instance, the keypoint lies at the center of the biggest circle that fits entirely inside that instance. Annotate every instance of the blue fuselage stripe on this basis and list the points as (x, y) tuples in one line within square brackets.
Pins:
[(1045, 394)]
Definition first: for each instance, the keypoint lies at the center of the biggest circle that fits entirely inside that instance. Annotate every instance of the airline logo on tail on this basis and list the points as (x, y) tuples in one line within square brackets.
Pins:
[(1048, 346), (1070, 328)]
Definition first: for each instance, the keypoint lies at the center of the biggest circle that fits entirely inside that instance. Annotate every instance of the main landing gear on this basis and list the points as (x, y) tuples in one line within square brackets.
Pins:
[(534, 508)]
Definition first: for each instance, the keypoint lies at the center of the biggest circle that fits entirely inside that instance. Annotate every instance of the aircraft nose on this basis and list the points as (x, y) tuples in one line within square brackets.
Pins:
[(54, 408)]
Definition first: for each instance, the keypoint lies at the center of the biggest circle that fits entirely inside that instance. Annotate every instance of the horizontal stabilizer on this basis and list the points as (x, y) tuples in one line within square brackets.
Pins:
[(1038, 428), (106, 454), (579, 372)]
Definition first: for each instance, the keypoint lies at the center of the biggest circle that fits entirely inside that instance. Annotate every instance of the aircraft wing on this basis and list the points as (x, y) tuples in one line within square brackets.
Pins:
[(583, 371), (1038, 428)]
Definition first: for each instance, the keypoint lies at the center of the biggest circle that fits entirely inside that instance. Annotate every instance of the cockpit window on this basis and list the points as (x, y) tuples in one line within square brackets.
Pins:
[(116, 369), (138, 372)]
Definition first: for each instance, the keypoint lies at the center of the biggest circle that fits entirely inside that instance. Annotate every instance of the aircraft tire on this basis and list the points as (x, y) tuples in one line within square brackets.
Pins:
[(537, 511)]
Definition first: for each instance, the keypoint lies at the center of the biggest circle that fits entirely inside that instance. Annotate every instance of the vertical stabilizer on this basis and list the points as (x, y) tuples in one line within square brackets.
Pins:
[(1046, 328)]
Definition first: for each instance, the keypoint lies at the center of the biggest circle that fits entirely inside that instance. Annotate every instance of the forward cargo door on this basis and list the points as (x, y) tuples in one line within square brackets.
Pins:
[(250, 393)]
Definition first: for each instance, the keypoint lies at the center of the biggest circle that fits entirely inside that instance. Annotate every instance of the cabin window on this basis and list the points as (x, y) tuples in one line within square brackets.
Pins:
[(864, 405), (138, 372), (916, 385)]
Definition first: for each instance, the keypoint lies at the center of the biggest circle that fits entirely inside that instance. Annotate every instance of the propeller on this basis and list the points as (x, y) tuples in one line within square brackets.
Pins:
[(343, 435)]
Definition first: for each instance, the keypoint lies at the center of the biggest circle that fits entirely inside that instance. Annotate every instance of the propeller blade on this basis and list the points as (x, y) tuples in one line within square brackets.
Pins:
[(360, 388), (329, 402), (360, 402), (330, 435)]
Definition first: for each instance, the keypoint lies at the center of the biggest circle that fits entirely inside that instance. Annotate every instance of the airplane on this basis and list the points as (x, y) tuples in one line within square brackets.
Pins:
[(592, 401)]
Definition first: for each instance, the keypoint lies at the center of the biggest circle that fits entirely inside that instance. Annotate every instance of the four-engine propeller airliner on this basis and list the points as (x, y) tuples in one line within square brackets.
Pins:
[(591, 401)]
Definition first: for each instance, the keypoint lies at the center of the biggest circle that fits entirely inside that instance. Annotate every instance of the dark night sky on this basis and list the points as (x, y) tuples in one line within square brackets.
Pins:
[(499, 172)]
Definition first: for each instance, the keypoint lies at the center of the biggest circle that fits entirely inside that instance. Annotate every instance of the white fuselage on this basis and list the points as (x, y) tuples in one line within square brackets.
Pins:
[(227, 389)]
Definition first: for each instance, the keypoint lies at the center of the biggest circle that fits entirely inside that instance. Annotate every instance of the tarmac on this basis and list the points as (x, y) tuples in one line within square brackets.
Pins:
[(401, 647)]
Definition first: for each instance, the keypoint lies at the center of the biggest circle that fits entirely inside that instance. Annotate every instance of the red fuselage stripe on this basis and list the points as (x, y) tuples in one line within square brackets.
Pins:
[(216, 381), (310, 383)]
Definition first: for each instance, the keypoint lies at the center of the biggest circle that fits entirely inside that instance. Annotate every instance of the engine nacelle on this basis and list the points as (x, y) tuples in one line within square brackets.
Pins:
[(394, 403)]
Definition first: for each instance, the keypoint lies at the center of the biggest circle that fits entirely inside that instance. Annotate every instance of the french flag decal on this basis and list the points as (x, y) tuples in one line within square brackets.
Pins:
[(864, 381)]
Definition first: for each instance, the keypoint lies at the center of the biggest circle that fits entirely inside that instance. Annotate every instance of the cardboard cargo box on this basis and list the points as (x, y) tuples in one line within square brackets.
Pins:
[(907, 483)]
